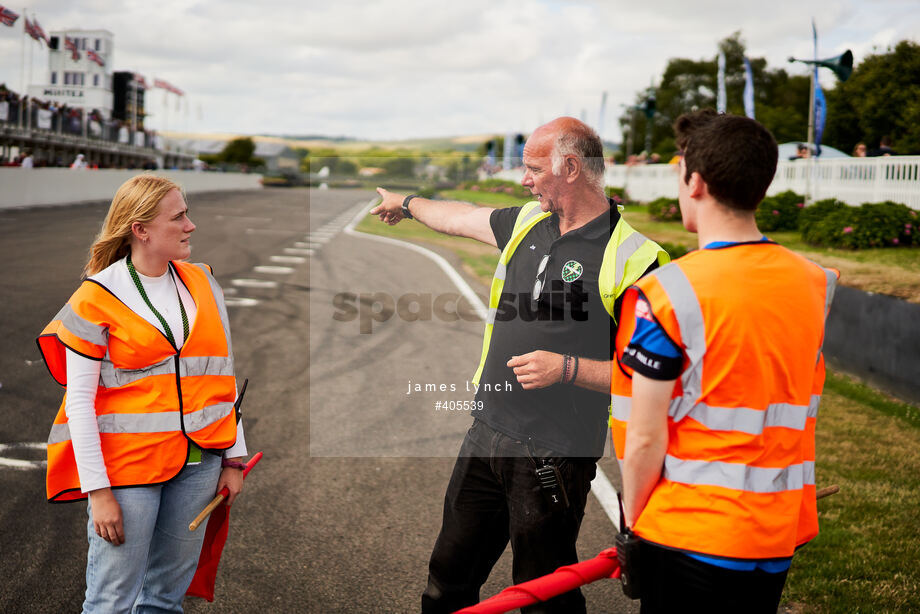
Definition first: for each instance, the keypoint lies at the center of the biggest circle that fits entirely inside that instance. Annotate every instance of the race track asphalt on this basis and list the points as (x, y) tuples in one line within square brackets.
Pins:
[(341, 514)]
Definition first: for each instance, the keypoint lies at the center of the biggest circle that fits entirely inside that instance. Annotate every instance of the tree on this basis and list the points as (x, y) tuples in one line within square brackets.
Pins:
[(780, 100), (238, 151), (881, 98)]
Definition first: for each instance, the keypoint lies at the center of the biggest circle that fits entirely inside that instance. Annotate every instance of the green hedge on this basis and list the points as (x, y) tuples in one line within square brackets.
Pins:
[(664, 209), (886, 224), (780, 212)]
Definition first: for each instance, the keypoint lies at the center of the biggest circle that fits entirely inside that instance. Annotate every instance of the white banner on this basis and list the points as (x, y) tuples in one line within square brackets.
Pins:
[(138, 139), (44, 119), (123, 135), (4, 111), (95, 129)]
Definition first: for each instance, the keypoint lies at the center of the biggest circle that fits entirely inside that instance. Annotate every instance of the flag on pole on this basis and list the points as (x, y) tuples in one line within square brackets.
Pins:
[(7, 16), (139, 79), (748, 89), (71, 46), (720, 96), (30, 29), (37, 28), (94, 57), (820, 113)]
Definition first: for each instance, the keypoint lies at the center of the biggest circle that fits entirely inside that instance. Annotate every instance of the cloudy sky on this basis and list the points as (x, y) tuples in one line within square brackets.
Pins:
[(393, 69)]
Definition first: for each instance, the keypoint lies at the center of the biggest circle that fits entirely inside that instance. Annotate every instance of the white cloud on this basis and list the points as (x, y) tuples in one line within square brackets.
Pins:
[(409, 68)]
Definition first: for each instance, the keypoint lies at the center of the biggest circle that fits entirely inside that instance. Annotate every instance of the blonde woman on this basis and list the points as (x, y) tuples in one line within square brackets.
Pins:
[(143, 348)]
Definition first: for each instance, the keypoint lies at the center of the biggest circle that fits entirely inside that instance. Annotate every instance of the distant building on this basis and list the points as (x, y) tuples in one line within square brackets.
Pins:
[(278, 156), (81, 83)]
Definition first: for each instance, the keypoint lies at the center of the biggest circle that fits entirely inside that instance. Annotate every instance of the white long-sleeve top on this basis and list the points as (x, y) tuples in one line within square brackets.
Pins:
[(83, 373)]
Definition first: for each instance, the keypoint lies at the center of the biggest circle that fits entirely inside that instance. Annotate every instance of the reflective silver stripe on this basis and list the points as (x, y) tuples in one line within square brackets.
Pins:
[(689, 316), (197, 420), (622, 407), (81, 327), (491, 317), (529, 216), (625, 250), (205, 365), (753, 421), (112, 377), (813, 406), (738, 476), (501, 270), (830, 288), (160, 422), (221, 307)]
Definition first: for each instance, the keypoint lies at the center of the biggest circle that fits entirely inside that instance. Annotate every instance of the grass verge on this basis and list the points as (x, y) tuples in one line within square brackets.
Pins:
[(867, 556)]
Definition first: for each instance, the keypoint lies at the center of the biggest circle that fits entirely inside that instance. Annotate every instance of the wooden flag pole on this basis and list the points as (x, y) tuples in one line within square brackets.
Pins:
[(223, 494)]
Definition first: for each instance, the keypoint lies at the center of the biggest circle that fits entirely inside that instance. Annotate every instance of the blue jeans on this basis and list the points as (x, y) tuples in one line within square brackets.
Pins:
[(151, 571), (494, 497)]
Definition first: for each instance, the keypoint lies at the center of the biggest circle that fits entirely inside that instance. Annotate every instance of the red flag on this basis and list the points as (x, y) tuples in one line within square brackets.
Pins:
[(7, 16), (94, 57), (139, 79), (36, 27), (30, 29), (71, 46), (215, 537)]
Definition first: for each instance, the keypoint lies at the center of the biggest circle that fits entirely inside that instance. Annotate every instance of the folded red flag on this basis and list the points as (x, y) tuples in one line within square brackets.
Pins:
[(215, 537)]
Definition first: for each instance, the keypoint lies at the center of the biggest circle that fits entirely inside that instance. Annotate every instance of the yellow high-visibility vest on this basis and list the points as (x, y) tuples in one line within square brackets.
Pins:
[(627, 256)]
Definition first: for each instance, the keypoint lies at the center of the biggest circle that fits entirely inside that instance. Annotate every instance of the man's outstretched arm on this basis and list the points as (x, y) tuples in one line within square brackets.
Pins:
[(448, 216)]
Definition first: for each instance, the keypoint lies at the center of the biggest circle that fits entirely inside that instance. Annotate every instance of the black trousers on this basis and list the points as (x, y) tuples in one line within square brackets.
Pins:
[(671, 581), (494, 497)]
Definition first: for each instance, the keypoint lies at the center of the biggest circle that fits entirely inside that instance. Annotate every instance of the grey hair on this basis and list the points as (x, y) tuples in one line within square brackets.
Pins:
[(584, 143)]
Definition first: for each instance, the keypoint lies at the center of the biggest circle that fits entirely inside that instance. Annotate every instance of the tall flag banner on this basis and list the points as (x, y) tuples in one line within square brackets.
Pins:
[(820, 113), (92, 56), (30, 29), (37, 28), (720, 97), (71, 46), (748, 89), (7, 16)]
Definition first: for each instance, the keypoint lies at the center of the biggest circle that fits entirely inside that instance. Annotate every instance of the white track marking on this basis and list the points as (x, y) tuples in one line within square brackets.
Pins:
[(273, 270), (18, 463), (288, 259), (241, 302), (254, 283), (297, 251)]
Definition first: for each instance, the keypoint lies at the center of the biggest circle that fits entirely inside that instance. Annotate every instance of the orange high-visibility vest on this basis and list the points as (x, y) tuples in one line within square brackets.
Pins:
[(152, 398), (739, 474)]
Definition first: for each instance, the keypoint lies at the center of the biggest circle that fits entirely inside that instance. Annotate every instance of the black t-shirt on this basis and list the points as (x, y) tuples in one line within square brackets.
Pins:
[(569, 319)]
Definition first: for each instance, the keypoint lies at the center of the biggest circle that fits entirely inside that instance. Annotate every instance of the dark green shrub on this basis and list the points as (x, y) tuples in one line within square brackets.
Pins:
[(811, 215), (886, 224), (664, 209), (780, 212)]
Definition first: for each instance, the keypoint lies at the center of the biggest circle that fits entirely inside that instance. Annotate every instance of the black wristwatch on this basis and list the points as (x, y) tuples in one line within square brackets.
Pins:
[(405, 207)]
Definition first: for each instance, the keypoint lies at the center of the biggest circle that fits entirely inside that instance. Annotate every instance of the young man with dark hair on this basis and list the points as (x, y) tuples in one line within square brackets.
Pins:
[(716, 388)]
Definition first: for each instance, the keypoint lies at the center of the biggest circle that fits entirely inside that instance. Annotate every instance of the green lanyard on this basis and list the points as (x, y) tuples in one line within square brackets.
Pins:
[(194, 454), (166, 329)]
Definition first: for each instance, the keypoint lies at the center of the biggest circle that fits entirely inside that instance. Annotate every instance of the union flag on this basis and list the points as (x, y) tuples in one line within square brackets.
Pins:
[(71, 46), (37, 28), (7, 16), (94, 57)]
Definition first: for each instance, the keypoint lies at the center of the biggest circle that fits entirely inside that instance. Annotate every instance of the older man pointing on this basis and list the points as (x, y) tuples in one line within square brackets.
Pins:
[(525, 466)]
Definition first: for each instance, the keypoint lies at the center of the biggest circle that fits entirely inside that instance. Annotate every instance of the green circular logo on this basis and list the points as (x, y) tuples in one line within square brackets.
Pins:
[(571, 271)]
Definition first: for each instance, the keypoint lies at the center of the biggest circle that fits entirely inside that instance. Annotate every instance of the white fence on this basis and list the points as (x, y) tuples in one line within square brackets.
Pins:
[(21, 187), (853, 180)]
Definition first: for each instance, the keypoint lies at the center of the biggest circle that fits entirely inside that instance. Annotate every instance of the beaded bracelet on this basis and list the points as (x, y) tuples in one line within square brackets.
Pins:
[(574, 371), (235, 464)]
